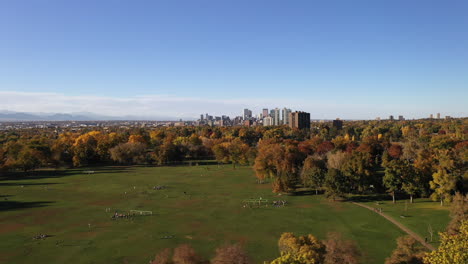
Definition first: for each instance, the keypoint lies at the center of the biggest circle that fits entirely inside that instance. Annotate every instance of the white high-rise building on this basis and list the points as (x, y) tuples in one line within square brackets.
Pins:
[(268, 121), (285, 115), (276, 117)]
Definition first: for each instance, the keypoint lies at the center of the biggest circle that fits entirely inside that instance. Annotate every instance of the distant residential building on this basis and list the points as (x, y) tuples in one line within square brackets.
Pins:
[(299, 120), (268, 121), (265, 112), (338, 124), (377, 118), (438, 115), (431, 116), (248, 123), (201, 117), (401, 118), (447, 117), (285, 115), (391, 118)]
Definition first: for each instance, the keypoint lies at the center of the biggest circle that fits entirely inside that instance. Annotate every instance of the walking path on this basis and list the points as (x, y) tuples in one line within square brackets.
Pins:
[(402, 227)]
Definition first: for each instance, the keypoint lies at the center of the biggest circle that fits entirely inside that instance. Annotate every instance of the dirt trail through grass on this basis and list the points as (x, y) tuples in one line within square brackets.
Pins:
[(402, 227)]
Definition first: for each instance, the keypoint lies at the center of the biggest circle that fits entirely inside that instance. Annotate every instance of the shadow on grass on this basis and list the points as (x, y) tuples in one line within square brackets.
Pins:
[(306, 192), (25, 184), (15, 205), (369, 198), (51, 174)]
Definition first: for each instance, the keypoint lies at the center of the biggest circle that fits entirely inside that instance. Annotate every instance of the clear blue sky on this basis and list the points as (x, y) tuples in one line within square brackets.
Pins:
[(349, 59)]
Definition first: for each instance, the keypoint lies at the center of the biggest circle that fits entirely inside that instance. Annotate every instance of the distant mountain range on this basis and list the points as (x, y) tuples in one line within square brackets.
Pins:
[(20, 116)]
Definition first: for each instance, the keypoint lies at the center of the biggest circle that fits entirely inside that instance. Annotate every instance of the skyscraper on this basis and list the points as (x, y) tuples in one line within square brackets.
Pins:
[(276, 117), (247, 114), (265, 112), (285, 115), (299, 120), (391, 118), (438, 115)]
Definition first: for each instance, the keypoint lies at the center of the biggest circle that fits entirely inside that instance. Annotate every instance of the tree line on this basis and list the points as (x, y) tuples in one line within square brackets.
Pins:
[(416, 158)]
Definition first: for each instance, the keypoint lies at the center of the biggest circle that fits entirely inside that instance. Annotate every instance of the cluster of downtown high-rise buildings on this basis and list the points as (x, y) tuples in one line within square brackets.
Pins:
[(273, 117)]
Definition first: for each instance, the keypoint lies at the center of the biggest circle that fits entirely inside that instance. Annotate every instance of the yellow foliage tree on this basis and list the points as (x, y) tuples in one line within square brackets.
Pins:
[(452, 249), (300, 250)]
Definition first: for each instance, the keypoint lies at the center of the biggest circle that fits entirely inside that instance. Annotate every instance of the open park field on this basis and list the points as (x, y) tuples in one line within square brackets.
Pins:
[(199, 205)]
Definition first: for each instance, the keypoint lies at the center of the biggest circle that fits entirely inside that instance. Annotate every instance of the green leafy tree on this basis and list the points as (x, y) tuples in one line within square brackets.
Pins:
[(392, 179), (336, 184), (313, 173)]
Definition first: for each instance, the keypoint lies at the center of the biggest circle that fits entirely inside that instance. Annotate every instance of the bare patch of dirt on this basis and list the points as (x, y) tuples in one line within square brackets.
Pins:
[(107, 203), (10, 227), (44, 216), (335, 205), (186, 203), (303, 206)]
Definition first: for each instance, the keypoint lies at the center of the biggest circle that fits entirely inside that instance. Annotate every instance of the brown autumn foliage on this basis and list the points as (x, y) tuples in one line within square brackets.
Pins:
[(163, 257), (458, 213), (395, 151), (185, 254), (340, 251), (230, 254), (325, 147), (408, 251)]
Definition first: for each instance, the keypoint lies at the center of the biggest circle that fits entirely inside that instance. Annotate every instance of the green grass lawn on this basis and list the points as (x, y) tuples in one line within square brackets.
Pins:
[(418, 216), (64, 203)]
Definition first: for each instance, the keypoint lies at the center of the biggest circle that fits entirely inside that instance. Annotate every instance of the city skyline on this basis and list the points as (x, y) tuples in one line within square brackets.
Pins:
[(170, 59), (50, 103)]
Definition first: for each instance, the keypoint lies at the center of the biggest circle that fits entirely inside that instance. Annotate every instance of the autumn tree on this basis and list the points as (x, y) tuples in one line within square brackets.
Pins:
[(163, 257), (408, 251), (443, 183), (340, 251), (28, 159), (300, 250), (313, 173), (221, 152), (230, 254), (325, 147), (458, 213), (167, 153), (84, 149), (395, 151), (336, 160), (452, 249), (423, 165), (128, 153), (185, 254), (2, 158), (281, 161), (237, 152)]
